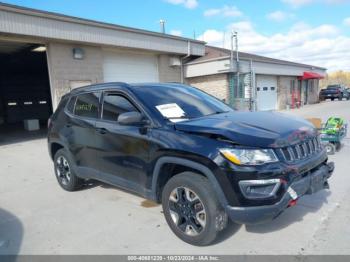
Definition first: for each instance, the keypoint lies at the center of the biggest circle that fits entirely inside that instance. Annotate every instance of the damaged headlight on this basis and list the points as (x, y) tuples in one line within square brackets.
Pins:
[(249, 156)]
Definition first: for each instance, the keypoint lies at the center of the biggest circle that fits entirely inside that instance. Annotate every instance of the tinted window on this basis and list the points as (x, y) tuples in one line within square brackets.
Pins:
[(71, 103), (114, 105), (193, 102), (265, 88), (87, 105), (272, 88)]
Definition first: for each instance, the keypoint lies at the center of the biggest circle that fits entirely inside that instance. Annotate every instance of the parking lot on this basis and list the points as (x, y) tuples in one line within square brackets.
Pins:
[(38, 217)]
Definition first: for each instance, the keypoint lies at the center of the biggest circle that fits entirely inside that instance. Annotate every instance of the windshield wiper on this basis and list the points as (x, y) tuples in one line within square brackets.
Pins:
[(177, 117), (218, 112)]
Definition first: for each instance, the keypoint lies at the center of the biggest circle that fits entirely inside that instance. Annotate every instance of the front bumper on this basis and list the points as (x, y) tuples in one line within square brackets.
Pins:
[(310, 184)]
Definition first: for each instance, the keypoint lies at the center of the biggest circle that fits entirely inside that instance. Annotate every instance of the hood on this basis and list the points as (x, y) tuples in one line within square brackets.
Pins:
[(255, 129)]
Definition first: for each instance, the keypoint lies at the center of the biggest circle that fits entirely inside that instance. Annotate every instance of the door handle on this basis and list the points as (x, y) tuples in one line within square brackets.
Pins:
[(101, 130)]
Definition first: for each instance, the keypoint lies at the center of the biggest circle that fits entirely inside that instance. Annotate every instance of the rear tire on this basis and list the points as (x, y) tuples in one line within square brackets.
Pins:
[(332, 99), (64, 171), (192, 209)]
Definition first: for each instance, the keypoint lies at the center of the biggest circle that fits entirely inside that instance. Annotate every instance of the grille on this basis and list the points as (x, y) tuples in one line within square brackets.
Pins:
[(302, 150)]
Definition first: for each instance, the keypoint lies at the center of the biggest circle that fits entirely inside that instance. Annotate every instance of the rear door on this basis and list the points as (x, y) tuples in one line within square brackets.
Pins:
[(83, 111), (123, 152)]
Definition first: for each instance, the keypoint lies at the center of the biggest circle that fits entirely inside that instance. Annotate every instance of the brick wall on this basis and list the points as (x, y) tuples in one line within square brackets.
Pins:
[(64, 69), (216, 85), (168, 73)]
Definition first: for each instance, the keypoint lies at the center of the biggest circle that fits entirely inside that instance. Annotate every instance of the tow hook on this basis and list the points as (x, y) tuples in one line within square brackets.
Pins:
[(292, 203)]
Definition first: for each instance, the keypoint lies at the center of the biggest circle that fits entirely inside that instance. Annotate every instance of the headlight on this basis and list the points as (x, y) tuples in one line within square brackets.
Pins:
[(249, 156)]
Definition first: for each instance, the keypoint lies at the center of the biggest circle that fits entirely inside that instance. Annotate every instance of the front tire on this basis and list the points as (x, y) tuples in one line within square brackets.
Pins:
[(192, 209), (65, 174)]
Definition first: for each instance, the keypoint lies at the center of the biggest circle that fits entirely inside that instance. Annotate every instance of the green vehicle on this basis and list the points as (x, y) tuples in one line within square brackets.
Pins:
[(332, 133)]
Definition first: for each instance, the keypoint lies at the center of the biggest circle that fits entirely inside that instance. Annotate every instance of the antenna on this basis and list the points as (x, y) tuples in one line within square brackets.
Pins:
[(223, 40), (162, 26)]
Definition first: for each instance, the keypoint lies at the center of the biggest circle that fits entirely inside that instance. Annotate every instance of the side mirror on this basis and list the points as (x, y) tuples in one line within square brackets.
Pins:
[(130, 119)]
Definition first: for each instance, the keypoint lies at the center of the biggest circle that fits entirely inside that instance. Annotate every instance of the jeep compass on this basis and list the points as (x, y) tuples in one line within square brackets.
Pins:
[(176, 145)]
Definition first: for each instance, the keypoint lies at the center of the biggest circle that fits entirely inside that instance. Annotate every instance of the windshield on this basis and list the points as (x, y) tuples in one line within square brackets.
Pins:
[(180, 102)]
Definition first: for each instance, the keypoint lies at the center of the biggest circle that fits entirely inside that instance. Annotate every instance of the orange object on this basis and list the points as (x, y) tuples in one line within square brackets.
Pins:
[(317, 122)]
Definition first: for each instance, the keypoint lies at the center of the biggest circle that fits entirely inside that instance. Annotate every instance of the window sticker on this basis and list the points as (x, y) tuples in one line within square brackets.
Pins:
[(172, 111)]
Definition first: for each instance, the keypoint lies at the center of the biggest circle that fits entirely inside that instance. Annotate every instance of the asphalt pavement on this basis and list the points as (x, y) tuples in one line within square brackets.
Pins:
[(38, 217)]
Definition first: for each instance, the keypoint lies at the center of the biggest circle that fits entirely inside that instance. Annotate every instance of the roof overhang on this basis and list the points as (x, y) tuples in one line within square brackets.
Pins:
[(222, 65), (26, 22), (310, 75)]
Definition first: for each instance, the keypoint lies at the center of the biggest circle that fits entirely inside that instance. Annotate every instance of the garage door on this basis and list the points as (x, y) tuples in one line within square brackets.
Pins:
[(266, 92), (130, 67)]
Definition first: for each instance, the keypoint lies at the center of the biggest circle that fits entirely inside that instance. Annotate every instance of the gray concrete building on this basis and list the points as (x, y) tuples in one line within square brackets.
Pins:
[(264, 83), (44, 55)]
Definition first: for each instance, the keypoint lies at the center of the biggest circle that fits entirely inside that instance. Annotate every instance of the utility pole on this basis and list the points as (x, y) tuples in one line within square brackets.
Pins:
[(162, 26), (234, 36)]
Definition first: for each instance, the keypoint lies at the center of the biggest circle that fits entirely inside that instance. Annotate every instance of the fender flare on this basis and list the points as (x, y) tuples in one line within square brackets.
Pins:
[(194, 165)]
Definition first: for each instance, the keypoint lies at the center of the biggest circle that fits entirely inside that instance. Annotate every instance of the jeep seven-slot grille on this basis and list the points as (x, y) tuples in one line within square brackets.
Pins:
[(301, 150)]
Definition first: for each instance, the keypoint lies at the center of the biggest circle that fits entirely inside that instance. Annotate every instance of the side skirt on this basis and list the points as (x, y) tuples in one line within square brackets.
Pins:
[(89, 173)]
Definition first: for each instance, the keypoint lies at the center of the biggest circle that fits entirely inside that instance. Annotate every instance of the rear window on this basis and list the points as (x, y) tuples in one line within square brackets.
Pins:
[(333, 87), (71, 104), (86, 105)]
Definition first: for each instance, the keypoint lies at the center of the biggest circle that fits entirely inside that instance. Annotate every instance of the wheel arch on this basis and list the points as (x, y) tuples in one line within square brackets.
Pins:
[(158, 179), (54, 147)]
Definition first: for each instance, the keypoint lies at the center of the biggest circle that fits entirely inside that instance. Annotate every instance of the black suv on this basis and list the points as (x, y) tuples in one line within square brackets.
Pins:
[(181, 147)]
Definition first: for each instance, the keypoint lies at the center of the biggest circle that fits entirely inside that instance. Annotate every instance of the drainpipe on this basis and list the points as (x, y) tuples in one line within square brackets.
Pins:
[(182, 61), (253, 92)]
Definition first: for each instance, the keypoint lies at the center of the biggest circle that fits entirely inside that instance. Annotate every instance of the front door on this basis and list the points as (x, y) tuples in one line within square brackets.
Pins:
[(123, 151)]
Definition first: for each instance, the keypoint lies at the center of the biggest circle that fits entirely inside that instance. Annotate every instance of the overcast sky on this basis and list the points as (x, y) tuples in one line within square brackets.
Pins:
[(308, 31)]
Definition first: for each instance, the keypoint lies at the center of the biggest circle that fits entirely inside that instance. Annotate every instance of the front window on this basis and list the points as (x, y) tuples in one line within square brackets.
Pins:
[(179, 102), (114, 105)]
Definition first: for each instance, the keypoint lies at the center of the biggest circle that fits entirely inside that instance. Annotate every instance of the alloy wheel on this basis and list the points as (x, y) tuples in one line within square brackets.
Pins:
[(187, 211), (63, 170)]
